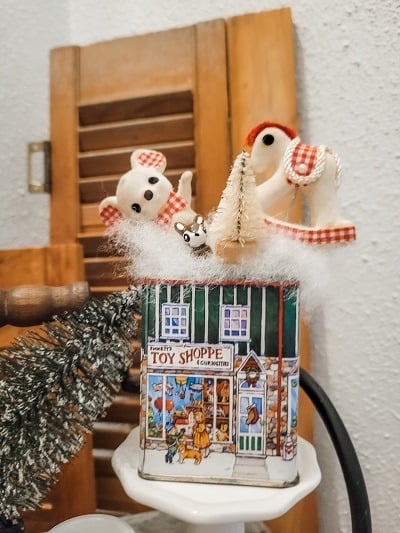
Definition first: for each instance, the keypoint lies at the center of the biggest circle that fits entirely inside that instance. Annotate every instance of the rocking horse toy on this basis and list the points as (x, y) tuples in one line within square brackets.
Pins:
[(282, 165)]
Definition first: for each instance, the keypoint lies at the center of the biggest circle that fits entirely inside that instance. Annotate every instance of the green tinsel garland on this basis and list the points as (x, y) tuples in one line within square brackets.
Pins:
[(53, 386)]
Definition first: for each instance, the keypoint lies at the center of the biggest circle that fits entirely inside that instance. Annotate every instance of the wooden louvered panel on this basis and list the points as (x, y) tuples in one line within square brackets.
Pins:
[(134, 373), (90, 219), (135, 108), (112, 87), (102, 462), (108, 133), (95, 188), (117, 160), (105, 271), (96, 244), (132, 132), (125, 408), (110, 435)]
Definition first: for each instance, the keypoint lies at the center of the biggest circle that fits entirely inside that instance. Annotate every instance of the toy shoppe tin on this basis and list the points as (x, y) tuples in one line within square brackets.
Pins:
[(220, 382)]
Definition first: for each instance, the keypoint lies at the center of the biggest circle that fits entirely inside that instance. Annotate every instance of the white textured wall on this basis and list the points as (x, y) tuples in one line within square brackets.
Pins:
[(28, 30), (348, 91)]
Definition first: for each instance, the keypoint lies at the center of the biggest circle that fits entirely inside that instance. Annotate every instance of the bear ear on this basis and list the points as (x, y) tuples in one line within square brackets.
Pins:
[(109, 212), (148, 159)]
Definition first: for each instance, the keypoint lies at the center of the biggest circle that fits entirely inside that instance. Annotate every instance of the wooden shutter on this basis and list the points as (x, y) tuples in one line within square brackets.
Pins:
[(262, 85), (164, 91), (107, 134), (192, 93)]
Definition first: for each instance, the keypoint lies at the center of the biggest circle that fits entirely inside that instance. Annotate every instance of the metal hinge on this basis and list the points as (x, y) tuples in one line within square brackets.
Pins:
[(39, 166)]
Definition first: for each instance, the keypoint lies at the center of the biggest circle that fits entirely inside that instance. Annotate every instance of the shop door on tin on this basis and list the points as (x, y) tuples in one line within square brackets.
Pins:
[(251, 432)]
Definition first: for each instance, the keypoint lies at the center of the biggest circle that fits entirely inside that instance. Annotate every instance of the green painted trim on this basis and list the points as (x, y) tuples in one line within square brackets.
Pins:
[(175, 294), (227, 295), (213, 314), (199, 315), (290, 329), (255, 319), (272, 317)]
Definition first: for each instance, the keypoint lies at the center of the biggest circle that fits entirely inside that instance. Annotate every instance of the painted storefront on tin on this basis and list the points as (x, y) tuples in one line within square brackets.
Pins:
[(220, 382)]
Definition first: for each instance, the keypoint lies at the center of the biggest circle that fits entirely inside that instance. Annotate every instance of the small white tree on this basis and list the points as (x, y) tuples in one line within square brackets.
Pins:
[(238, 218)]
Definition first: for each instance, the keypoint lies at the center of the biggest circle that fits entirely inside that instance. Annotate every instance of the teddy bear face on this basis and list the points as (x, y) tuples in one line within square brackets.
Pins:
[(142, 193)]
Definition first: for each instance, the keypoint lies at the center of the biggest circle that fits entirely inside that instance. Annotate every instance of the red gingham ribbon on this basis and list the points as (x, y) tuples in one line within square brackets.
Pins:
[(304, 159), (313, 235), (110, 215), (175, 203), (150, 158)]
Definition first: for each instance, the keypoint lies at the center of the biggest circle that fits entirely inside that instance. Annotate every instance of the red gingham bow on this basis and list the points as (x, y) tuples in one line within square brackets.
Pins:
[(175, 203), (110, 215)]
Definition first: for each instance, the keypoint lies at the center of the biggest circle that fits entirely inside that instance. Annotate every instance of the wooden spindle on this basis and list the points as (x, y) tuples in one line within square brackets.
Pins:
[(28, 305)]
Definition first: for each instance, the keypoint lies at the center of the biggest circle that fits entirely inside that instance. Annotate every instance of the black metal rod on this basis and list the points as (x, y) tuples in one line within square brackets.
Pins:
[(350, 465)]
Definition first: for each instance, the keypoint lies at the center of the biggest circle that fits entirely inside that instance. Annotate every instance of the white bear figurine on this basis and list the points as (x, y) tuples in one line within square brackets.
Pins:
[(145, 193)]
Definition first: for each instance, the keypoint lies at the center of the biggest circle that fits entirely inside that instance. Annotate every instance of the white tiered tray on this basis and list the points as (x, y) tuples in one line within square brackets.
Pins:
[(223, 508)]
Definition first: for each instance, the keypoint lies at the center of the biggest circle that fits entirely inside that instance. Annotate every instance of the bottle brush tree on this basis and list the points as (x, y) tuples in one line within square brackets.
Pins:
[(238, 220)]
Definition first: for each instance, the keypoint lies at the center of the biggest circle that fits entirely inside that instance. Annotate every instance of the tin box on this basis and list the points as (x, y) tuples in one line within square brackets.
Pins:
[(220, 382)]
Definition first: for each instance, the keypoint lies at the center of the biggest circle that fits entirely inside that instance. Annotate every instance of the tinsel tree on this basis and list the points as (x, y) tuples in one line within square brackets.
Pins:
[(238, 217), (54, 384)]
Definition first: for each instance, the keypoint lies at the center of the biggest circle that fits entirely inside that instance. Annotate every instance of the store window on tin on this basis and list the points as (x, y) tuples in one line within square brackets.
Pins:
[(235, 323), (175, 321)]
